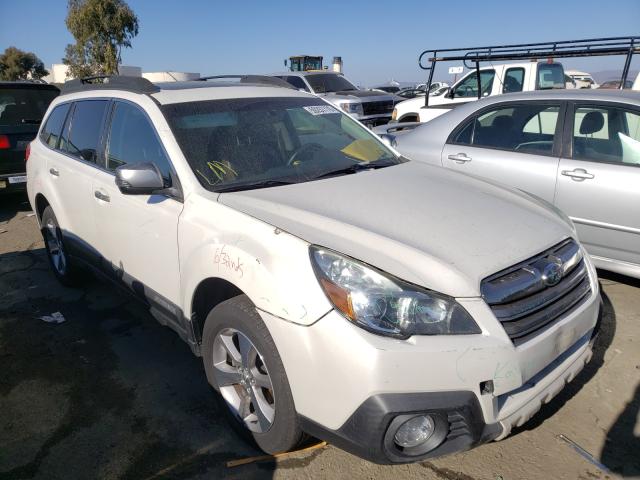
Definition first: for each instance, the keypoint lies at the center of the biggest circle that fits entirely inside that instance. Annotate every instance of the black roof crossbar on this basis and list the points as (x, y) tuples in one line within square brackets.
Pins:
[(564, 49), (110, 82), (254, 79)]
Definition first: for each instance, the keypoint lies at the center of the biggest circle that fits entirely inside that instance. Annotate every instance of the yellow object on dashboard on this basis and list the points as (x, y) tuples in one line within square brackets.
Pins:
[(366, 150)]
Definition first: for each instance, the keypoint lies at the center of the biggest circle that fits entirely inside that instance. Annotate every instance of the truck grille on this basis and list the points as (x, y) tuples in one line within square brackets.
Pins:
[(534, 294), (378, 108)]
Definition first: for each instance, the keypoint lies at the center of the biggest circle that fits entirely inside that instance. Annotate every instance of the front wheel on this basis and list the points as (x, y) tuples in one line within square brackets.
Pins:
[(242, 363)]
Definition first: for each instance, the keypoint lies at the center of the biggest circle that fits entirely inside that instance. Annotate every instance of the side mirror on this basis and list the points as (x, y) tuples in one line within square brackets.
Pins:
[(139, 179), (449, 93), (388, 139)]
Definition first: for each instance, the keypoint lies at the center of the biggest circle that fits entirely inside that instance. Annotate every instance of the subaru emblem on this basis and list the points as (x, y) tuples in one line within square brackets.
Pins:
[(552, 274)]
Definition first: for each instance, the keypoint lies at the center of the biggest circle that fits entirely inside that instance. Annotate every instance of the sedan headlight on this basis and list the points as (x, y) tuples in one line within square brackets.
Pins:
[(352, 108), (386, 305)]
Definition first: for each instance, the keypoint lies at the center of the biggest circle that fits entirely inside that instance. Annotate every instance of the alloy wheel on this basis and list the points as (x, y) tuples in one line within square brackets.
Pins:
[(243, 379)]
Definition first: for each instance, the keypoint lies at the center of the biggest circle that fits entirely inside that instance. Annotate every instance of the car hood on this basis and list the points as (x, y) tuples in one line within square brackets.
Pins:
[(427, 225)]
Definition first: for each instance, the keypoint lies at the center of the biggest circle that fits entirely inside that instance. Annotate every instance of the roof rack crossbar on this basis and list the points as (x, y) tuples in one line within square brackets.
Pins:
[(591, 47), (110, 82), (254, 79)]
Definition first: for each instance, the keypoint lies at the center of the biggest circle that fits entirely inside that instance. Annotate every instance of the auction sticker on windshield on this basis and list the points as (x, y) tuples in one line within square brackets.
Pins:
[(320, 109)]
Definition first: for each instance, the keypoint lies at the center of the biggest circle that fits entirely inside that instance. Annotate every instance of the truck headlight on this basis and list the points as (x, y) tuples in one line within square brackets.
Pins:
[(394, 114), (352, 108), (383, 304)]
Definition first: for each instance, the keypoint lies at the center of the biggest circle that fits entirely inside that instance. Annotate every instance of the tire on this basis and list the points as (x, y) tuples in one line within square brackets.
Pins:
[(61, 265), (408, 119), (241, 385)]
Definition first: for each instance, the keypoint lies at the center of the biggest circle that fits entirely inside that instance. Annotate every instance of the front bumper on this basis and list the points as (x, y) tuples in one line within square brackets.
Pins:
[(348, 385), (375, 120)]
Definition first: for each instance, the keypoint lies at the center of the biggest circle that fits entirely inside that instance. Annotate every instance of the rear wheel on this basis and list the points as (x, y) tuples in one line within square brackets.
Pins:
[(64, 270), (243, 365)]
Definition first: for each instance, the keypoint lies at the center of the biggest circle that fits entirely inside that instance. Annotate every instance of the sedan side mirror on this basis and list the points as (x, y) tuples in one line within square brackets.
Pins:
[(449, 93), (139, 179)]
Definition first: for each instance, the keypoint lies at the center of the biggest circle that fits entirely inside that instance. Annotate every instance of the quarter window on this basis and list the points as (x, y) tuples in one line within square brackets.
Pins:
[(606, 134), (519, 128), (85, 129), (132, 139), (51, 130)]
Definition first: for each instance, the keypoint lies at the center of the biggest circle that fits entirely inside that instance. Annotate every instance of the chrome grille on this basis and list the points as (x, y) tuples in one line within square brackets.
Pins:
[(533, 294)]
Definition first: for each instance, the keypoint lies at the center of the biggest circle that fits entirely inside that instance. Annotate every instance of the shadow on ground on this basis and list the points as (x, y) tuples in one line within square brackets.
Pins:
[(13, 204), (109, 393)]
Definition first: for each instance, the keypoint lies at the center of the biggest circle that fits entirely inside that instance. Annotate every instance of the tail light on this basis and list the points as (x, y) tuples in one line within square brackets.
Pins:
[(27, 152), (4, 142)]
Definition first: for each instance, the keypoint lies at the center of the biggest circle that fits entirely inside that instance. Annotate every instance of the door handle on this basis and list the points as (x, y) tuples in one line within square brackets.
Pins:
[(54, 172), (101, 196), (459, 158), (577, 174)]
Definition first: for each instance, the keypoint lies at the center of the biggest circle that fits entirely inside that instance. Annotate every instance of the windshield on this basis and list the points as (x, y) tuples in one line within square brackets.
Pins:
[(259, 142), (19, 106), (326, 82)]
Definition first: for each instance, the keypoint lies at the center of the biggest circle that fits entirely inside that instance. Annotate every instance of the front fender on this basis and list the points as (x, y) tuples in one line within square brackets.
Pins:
[(269, 265)]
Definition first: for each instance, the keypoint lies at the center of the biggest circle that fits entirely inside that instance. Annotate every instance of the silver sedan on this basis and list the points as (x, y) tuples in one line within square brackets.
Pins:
[(579, 150)]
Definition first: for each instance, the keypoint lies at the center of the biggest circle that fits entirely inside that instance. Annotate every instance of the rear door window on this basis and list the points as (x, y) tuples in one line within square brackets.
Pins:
[(607, 134), (20, 106), (51, 131), (132, 139), (85, 129), (513, 80), (297, 82)]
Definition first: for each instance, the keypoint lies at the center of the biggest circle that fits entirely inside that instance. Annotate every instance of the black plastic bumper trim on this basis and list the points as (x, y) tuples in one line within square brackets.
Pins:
[(363, 434)]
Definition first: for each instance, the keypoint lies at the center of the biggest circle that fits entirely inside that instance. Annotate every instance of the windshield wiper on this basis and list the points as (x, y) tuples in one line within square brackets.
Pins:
[(253, 185), (355, 168), (31, 120)]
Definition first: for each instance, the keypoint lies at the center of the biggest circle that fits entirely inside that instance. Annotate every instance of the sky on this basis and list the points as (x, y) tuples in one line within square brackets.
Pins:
[(378, 41)]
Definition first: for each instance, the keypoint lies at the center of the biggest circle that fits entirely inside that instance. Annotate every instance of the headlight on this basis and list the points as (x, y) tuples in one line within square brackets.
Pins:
[(352, 108), (384, 304), (394, 114)]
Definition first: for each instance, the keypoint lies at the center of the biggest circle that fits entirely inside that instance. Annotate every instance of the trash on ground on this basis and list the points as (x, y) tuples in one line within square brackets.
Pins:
[(55, 317), (262, 458), (583, 453)]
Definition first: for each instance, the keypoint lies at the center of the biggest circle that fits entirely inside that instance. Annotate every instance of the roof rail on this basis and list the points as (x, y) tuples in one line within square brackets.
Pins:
[(591, 47), (110, 82), (255, 79)]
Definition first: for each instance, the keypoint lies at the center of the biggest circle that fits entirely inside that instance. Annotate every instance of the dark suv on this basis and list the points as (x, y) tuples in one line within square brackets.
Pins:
[(22, 106)]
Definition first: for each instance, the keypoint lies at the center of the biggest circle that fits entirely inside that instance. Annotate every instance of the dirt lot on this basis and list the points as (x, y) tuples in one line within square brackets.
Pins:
[(110, 393)]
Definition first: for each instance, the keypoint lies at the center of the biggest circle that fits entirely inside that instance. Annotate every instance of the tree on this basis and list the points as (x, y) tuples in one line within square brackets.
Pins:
[(16, 64), (101, 29)]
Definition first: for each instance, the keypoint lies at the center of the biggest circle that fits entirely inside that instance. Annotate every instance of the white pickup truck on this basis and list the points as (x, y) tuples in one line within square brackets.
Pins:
[(494, 80)]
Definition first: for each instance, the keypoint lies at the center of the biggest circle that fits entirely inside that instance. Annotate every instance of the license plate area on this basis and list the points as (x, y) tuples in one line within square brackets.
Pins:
[(18, 179)]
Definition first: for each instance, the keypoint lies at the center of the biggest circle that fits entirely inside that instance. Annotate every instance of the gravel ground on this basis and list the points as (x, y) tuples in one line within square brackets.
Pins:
[(110, 393)]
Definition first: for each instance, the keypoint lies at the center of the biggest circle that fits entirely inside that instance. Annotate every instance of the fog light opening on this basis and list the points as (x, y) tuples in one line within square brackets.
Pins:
[(415, 431)]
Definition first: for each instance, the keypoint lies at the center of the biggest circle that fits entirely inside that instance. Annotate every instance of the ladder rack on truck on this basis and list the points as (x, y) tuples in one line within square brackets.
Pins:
[(592, 47)]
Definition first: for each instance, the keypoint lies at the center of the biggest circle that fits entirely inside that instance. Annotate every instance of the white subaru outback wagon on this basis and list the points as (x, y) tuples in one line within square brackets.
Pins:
[(396, 309)]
